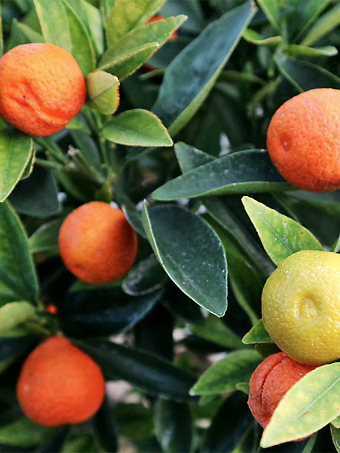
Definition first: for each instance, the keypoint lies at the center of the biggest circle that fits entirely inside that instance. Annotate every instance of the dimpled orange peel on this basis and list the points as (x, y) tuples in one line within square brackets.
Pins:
[(270, 382), (303, 140), (97, 244), (59, 384), (301, 307), (41, 88)]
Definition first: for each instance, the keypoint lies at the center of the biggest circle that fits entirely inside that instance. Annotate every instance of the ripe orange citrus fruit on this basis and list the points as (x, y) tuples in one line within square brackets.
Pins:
[(59, 384), (41, 88), (270, 382), (303, 140), (97, 244), (301, 307)]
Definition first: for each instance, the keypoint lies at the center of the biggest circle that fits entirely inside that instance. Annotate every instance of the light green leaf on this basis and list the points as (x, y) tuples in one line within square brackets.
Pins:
[(308, 406), (15, 313), (17, 269), (192, 74), (280, 235), (335, 432), (137, 128), (61, 26), (295, 50), (30, 34), (254, 37), (224, 375), (54, 23), (271, 9), (16, 150), (135, 48), (190, 253), (241, 172), (324, 25), (215, 330), (257, 334), (336, 422), (82, 46), (103, 92), (127, 15)]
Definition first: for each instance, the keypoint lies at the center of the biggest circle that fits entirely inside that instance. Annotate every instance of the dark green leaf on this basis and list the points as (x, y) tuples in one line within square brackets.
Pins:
[(105, 429), (224, 375), (17, 269), (137, 128), (280, 235), (45, 238), (241, 172), (146, 277), (127, 15), (173, 426), (214, 329), (192, 74), (104, 312), (304, 75), (16, 150), (257, 334), (190, 158), (141, 369), (134, 421), (37, 195), (190, 253), (24, 433), (228, 425)]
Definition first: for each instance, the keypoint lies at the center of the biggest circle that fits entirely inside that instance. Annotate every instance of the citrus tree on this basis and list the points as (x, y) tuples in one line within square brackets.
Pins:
[(141, 216)]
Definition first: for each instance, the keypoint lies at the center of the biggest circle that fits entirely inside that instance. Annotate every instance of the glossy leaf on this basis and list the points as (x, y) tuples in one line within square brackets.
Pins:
[(335, 432), (16, 265), (137, 128), (173, 426), (190, 158), (144, 278), (143, 370), (241, 172), (308, 406), (103, 92), (37, 195), (15, 313), (223, 376), (24, 433), (257, 334), (16, 150), (104, 312), (192, 74), (304, 75), (190, 253), (127, 15), (135, 48), (215, 330), (280, 235)]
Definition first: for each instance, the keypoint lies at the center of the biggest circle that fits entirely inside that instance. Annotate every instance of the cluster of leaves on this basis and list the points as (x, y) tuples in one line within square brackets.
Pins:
[(213, 90)]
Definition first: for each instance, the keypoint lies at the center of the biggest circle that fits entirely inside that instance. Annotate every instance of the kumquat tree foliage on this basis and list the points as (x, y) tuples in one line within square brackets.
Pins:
[(169, 226)]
